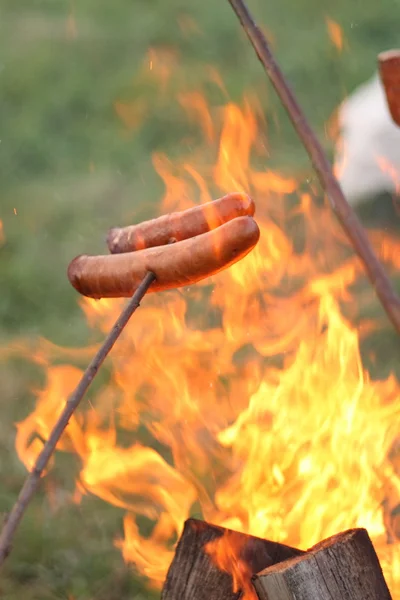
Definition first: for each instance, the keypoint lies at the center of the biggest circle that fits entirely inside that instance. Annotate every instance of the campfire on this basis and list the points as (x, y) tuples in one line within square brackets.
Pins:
[(238, 430)]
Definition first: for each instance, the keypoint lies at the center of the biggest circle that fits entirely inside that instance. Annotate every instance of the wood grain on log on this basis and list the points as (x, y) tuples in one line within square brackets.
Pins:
[(343, 567), (193, 574)]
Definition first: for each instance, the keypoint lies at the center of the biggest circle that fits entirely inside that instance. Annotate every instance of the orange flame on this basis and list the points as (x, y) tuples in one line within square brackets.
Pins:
[(251, 383), (237, 137), (387, 167), (196, 106), (226, 553), (335, 33), (2, 236)]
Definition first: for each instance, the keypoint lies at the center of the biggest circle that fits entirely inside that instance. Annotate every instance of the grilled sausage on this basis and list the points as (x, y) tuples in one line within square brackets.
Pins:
[(389, 68), (174, 265), (180, 225)]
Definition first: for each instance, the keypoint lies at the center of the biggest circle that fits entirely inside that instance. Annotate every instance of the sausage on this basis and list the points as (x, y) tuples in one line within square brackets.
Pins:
[(389, 68), (174, 265), (179, 225)]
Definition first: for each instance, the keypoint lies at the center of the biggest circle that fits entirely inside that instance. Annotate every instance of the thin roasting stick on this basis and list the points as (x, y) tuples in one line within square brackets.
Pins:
[(32, 481), (352, 226)]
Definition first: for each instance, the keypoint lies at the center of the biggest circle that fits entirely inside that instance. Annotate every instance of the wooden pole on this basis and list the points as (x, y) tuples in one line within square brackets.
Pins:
[(352, 226), (32, 481), (343, 567)]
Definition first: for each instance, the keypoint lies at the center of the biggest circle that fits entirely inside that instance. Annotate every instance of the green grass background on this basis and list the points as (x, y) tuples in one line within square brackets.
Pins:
[(68, 169)]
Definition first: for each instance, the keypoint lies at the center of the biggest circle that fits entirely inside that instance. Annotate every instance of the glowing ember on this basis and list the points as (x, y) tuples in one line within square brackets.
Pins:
[(267, 420)]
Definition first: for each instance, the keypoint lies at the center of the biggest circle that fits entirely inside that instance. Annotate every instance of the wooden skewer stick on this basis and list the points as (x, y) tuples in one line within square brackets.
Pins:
[(33, 479), (347, 217), (389, 69)]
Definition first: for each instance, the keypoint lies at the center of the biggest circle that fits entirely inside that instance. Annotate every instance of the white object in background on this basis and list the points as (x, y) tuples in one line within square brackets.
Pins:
[(368, 162)]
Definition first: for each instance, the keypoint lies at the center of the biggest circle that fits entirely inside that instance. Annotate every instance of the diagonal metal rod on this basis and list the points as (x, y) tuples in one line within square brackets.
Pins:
[(347, 217), (33, 479)]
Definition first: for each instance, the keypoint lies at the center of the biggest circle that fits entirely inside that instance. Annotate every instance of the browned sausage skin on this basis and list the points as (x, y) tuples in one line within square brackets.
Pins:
[(389, 68), (174, 265), (180, 225)]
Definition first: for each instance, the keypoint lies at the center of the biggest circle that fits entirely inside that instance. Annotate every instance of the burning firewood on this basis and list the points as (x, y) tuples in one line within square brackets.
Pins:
[(389, 68), (213, 563), (343, 566)]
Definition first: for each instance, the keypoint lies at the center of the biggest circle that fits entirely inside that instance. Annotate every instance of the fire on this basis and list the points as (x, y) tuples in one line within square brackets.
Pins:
[(237, 137), (226, 552), (2, 236), (244, 396), (321, 469), (335, 33), (196, 106), (387, 167)]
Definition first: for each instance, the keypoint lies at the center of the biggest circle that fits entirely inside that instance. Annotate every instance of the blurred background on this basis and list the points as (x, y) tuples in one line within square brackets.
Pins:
[(90, 100)]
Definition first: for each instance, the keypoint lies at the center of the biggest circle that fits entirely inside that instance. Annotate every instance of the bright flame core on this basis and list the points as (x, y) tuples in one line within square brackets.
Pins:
[(257, 402)]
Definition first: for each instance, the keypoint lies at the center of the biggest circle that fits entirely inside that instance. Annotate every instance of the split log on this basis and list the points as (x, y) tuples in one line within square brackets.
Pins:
[(343, 567), (194, 574), (389, 69)]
